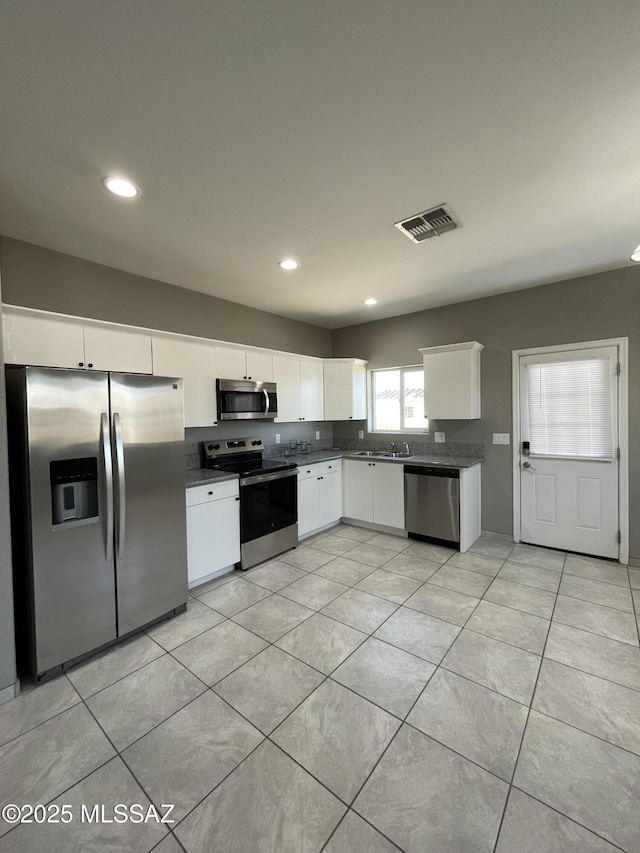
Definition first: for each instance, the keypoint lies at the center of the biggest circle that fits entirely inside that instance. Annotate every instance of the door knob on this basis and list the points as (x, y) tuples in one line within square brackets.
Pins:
[(528, 465)]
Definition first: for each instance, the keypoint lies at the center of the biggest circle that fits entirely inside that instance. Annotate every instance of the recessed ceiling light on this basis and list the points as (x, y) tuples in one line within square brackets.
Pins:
[(371, 301), (288, 264), (635, 256), (121, 187)]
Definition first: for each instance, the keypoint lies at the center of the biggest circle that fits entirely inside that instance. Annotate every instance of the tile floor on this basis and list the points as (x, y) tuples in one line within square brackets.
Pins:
[(361, 694)]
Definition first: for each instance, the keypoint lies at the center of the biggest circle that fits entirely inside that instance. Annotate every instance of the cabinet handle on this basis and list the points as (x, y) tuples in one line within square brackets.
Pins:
[(237, 499), (90, 364), (248, 377), (209, 493), (81, 364)]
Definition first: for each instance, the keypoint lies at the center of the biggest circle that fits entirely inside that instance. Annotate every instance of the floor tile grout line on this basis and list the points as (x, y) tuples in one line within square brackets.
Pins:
[(568, 817), (633, 601), (526, 724), (42, 722), (595, 634), (593, 674), (585, 732)]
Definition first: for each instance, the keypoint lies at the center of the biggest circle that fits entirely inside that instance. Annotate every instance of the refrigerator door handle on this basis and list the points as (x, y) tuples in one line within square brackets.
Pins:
[(121, 516), (108, 476)]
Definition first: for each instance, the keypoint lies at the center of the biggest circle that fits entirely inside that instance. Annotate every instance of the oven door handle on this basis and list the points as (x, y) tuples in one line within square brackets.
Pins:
[(266, 401), (265, 478)]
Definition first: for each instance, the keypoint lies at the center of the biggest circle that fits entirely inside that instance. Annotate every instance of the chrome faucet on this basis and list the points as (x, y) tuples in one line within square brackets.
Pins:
[(393, 447), (406, 447)]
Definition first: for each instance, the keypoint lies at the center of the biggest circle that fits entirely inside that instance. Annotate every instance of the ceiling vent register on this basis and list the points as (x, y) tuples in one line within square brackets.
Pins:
[(431, 223)]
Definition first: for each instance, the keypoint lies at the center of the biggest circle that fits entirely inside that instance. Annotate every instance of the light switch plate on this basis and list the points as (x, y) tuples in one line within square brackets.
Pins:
[(277, 438), (360, 433), (438, 437), (501, 438)]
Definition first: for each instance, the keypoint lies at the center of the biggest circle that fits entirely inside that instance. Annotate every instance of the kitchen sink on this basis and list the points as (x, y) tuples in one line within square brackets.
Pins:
[(383, 454)]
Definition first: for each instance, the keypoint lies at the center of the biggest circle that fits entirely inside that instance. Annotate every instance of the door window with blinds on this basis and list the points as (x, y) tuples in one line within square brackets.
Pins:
[(571, 403)]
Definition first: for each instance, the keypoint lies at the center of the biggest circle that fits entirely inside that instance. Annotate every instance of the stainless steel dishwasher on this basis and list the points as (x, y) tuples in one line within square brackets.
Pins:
[(432, 503)]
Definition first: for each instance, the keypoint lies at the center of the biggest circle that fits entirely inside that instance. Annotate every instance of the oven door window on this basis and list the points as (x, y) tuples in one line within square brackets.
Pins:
[(268, 506)]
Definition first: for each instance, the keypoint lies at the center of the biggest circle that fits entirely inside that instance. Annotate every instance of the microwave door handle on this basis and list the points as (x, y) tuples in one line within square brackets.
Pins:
[(108, 476), (266, 401), (121, 517)]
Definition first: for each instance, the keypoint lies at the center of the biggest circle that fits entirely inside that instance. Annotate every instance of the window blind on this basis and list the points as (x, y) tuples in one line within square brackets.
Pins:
[(571, 408)]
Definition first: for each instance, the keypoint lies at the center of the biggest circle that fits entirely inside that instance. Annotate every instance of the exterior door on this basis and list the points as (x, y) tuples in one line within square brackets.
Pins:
[(150, 513), (569, 450)]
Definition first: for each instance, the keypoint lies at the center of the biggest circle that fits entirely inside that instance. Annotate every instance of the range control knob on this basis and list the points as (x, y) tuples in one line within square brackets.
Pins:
[(209, 446), (217, 446)]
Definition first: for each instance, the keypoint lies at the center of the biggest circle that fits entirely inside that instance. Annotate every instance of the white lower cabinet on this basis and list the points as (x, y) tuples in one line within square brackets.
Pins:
[(319, 495), (374, 492), (213, 529)]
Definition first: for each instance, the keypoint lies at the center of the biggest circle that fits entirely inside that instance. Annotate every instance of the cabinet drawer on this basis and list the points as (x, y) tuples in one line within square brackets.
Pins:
[(318, 469), (212, 492)]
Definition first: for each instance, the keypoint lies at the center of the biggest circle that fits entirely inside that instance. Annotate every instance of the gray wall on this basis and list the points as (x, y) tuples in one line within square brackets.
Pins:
[(600, 306), (7, 638), (40, 278)]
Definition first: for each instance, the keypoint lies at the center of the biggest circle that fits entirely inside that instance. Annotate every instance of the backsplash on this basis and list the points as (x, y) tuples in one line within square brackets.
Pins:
[(266, 430)]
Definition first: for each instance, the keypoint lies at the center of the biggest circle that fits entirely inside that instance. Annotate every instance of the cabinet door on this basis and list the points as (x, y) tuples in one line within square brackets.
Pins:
[(286, 373), (260, 366), (357, 489), (311, 391), (359, 374), (388, 494), (124, 352), (308, 505), (231, 363), (213, 537), (43, 343), (338, 392), (330, 498), (195, 363)]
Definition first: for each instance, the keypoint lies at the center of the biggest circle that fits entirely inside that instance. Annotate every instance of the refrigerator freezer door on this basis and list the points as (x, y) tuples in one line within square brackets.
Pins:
[(73, 581), (151, 541)]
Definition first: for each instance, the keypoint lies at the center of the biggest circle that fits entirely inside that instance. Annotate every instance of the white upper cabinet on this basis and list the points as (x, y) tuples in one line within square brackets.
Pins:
[(311, 391), (299, 387), (234, 363), (49, 343), (286, 373), (46, 343), (195, 363), (452, 381), (125, 352), (345, 389)]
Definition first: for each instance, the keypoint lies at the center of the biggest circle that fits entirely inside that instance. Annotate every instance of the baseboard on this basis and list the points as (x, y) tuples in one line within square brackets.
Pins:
[(10, 692), (379, 528)]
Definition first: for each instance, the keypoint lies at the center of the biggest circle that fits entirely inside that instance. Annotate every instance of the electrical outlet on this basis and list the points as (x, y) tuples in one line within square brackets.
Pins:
[(439, 437), (360, 433), (277, 438), (317, 435), (501, 438)]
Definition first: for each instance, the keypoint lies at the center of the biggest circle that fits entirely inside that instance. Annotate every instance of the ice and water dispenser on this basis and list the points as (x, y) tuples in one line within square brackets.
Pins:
[(74, 489)]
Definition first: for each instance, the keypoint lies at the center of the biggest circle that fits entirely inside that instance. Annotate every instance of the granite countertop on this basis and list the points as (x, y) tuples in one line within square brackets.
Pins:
[(206, 476), (419, 459)]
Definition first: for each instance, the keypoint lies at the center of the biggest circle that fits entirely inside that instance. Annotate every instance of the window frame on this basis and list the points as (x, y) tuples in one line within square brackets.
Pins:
[(371, 402)]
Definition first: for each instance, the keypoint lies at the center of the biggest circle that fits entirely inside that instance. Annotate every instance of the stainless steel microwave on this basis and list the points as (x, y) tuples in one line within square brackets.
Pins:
[(244, 400)]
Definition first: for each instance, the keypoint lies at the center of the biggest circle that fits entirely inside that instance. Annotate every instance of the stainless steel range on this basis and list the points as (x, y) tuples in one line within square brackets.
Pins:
[(268, 497)]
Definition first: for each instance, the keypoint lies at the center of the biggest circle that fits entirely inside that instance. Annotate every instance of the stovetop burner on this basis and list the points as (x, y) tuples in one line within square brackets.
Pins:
[(241, 456)]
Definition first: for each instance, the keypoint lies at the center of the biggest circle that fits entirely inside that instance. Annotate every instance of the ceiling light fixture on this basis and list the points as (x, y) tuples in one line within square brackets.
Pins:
[(635, 256), (121, 187), (288, 264), (371, 301)]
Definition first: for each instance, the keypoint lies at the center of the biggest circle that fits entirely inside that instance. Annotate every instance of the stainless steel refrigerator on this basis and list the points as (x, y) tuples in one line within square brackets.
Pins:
[(97, 506)]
